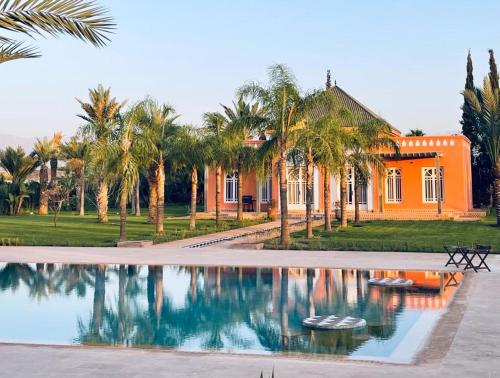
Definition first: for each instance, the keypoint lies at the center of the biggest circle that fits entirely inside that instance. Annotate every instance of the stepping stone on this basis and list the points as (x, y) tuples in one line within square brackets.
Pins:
[(390, 282), (333, 322)]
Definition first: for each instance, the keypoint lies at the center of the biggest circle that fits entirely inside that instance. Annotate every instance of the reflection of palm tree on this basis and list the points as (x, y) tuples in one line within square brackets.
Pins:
[(13, 274), (284, 308)]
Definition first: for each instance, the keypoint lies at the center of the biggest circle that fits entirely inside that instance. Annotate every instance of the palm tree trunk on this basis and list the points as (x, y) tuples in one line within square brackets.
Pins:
[(153, 195), (137, 196), (309, 195), (496, 175), (343, 197), (357, 197), (158, 294), (327, 200), (218, 184), (102, 201), (161, 197), (43, 206), (80, 192), (240, 194), (99, 298), (194, 193), (285, 229), (284, 309), (123, 215), (53, 169)]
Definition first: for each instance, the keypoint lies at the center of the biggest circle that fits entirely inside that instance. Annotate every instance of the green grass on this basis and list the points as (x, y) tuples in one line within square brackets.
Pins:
[(73, 230), (415, 236)]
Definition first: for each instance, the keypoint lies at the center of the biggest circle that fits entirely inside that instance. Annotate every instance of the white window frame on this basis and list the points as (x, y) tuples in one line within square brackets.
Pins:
[(265, 186), (231, 179), (394, 174), (363, 187), (434, 189)]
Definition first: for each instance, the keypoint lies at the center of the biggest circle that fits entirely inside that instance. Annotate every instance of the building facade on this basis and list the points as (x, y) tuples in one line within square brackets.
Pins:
[(430, 178)]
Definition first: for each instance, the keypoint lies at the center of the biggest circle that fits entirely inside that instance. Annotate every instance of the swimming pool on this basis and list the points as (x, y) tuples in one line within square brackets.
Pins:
[(225, 309)]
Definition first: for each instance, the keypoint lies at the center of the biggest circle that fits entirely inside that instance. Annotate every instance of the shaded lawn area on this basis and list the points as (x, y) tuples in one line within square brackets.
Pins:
[(403, 236), (73, 230)]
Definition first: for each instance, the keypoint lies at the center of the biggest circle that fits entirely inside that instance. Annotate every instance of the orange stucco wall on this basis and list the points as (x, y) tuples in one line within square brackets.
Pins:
[(454, 152)]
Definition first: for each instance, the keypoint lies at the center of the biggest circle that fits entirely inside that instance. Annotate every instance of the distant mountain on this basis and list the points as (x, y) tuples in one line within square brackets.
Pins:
[(15, 141)]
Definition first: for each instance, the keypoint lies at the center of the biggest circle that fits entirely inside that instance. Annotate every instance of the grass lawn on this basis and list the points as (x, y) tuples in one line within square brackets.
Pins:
[(73, 230), (416, 236)]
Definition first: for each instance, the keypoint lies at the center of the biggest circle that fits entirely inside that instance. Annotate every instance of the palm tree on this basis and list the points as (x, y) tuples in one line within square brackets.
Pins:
[(284, 119), (124, 159), (18, 166), (320, 143), (367, 140), (78, 18), (217, 139), (486, 105), (54, 159), (101, 115), (76, 153), (243, 122), (42, 152), (192, 152), (157, 124)]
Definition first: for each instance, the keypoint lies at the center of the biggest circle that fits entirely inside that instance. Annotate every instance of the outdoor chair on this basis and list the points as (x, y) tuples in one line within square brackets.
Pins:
[(453, 251)]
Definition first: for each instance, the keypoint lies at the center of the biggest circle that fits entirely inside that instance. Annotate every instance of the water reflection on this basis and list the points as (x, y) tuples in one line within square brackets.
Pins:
[(251, 310)]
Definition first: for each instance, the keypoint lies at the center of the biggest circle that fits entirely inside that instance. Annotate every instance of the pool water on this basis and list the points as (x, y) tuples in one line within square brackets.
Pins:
[(226, 309)]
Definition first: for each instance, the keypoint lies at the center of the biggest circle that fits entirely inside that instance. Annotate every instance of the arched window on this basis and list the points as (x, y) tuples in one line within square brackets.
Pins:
[(429, 183), (393, 189), (231, 193)]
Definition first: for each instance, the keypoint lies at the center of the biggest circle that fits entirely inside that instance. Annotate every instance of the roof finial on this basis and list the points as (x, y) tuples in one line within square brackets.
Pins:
[(328, 80)]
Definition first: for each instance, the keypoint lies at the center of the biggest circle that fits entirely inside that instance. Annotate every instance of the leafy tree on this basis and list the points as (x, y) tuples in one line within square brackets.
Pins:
[(486, 104), (42, 152), (283, 104), (244, 121), (215, 125), (190, 150), (157, 124), (101, 115), (415, 133), (76, 154), (18, 166), (367, 140), (78, 18)]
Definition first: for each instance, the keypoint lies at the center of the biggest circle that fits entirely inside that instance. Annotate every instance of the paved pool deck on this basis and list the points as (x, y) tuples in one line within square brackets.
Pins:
[(466, 343)]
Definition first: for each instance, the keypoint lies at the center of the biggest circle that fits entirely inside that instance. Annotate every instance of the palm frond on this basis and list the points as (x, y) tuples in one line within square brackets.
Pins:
[(78, 18), (10, 50)]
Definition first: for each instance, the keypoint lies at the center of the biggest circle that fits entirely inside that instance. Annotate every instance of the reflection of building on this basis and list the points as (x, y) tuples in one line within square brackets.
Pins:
[(436, 285)]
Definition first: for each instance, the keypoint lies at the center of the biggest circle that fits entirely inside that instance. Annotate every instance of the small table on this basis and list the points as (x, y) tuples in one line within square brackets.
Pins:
[(468, 255)]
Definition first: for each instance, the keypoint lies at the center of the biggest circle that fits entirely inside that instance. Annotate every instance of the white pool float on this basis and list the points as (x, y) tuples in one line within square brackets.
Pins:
[(390, 282), (333, 322)]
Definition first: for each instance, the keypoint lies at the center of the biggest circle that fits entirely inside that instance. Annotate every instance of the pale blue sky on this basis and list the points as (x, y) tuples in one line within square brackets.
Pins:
[(403, 59)]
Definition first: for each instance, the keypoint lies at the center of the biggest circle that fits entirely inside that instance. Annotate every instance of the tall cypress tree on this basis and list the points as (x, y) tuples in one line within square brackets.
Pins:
[(328, 79), (493, 75), (469, 120), (471, 129)]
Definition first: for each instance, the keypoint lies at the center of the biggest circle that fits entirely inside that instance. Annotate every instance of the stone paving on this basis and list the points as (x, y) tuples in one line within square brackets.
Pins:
[(474, 349)]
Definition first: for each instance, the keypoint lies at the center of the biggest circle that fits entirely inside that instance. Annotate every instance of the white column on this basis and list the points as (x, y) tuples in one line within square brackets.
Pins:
[(316, 189)]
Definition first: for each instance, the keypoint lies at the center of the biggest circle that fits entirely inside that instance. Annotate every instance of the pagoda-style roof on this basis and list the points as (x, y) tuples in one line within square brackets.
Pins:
[(361, 113)]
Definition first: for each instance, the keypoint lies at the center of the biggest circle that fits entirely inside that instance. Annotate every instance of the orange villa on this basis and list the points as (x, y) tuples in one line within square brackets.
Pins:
[(408, 189)]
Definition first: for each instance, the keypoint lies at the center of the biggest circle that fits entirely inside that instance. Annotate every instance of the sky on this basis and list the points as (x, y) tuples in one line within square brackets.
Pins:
[(403, 59)]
